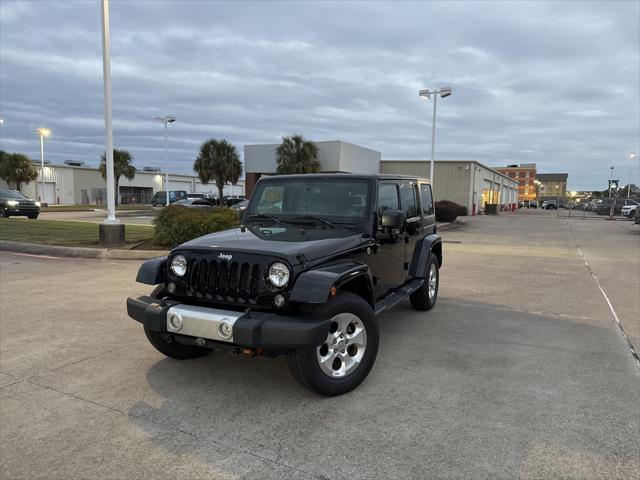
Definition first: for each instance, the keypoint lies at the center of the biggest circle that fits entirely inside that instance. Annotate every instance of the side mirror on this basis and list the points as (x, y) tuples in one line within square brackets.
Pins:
[(392, 219)]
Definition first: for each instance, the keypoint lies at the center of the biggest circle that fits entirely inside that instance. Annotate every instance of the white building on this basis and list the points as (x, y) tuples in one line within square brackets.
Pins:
[(82, 185), (334, 156)]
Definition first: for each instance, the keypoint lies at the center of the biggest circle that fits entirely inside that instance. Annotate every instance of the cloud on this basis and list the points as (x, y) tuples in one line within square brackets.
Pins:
[(552, 83)]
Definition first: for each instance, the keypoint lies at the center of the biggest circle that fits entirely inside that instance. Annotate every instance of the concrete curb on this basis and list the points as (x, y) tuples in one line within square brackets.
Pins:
[(79, 252)]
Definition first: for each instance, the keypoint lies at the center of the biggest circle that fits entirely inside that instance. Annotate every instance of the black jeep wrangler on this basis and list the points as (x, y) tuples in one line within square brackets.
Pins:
[(315, 259)]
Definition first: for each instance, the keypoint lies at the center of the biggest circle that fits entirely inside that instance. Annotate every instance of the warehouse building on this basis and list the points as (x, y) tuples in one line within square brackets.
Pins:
[(76, 184), (552, 185), (334, 156), (466, 182)]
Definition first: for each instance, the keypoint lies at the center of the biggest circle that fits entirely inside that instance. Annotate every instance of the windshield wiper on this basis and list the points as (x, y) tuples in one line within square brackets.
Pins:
[(315, 218), (265, 216)]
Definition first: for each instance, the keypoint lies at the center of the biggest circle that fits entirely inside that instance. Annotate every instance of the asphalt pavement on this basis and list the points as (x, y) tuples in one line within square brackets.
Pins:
[(521, 371)]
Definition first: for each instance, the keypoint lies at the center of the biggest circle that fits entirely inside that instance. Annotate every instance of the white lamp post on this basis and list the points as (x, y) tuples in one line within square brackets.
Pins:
[(426, 94), (632, 155), (106, 74), (166, 119), (42, 133)]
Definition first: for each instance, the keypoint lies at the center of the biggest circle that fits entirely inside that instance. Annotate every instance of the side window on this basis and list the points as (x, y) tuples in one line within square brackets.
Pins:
[(388, 197), (408, 196), (427, 199)]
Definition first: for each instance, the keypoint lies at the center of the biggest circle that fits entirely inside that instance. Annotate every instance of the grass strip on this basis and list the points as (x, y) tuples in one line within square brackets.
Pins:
[(51, 232)]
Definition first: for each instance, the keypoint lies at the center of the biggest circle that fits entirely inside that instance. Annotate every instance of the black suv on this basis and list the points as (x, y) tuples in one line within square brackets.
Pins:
[(315, 259), (14, 203)]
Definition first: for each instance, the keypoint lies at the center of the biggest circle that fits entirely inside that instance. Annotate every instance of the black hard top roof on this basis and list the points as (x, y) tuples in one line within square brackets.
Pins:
[(358, 176)]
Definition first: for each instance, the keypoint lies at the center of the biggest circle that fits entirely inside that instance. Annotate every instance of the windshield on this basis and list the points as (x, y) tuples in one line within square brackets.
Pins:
[(11, 194), (337, 200)]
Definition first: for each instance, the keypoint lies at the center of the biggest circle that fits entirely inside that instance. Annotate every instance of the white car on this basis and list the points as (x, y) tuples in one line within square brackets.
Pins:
[(629, 210)]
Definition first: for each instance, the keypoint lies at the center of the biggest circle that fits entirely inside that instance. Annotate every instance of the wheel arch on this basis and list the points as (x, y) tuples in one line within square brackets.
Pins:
[(315, 286), (427, 246)]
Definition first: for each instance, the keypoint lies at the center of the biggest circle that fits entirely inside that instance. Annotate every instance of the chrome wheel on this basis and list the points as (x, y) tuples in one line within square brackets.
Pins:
[(344, 348), (433, 280)]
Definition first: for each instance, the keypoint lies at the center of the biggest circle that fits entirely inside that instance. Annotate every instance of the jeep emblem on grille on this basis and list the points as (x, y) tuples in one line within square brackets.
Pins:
[(225, 256)]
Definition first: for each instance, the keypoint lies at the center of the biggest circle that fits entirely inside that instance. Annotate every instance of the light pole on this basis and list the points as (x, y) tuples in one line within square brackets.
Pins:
[(106, 75), (42, 133), (166, 119), (632, 155), (426, 94)]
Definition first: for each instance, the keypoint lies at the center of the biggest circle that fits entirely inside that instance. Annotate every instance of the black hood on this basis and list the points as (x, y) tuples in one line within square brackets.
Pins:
[(291, 242)]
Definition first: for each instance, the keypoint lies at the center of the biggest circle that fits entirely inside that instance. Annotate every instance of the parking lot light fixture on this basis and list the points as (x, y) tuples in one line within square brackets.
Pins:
[(426, 94), (42, 133), (166, 119)]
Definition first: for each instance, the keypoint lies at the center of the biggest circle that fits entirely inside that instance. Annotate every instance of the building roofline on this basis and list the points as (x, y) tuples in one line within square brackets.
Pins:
[(476, 162)]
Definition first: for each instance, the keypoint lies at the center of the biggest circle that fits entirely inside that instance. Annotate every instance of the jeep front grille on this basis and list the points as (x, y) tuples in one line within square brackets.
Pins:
[(223, 280)]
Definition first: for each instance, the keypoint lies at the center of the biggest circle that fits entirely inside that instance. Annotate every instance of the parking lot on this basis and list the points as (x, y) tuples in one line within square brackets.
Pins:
[(521, 371)]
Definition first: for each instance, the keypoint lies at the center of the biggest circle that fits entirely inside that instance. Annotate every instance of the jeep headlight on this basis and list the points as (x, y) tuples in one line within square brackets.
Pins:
[(12, 203), (278, 274), (179, 265), (37, 204)]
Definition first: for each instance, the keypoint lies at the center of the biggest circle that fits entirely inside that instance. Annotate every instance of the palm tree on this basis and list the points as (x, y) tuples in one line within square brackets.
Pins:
[(297, 155), (218, 162), (16, 168), (122, 166)]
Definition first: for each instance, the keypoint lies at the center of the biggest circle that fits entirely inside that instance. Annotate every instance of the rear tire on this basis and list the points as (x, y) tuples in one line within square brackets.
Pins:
[(33, 217), (426, 296), (164, 343), (336, 368)]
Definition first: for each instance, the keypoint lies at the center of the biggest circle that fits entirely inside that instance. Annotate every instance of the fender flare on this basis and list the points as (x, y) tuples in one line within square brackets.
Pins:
[(427, 246), (151, 271), (314, 286)]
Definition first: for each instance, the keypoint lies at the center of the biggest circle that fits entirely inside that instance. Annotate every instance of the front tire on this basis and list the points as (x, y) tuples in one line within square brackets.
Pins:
[(425, 297), (164, 343), (33, 217), (346, 357)]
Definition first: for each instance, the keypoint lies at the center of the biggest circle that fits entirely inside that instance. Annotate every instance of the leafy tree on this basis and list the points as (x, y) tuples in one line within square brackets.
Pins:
[(297, 155), (218, 162), (17, 168), (122, 166)]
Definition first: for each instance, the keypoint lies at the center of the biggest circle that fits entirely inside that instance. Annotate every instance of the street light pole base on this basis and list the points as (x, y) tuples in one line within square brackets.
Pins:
[(111, 234)]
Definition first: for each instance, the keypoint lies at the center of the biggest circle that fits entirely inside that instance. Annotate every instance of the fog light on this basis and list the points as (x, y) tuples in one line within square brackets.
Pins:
[(171, 288), (225, 330), (278, 301), (174, 322)]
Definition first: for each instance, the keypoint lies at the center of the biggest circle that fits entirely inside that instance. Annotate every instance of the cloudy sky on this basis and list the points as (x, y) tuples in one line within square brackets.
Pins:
[(552, 83)]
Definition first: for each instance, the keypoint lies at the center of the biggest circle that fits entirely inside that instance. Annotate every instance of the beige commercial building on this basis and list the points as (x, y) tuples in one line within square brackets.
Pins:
[(466, 182), (83, 185)]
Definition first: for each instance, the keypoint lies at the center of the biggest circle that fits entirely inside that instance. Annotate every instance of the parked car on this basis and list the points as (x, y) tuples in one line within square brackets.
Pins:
[(604, 206), (241, 206), (205, 196), (533, 204), (306, 280), (547, 205), (15, 204), (629, 209), (160, 198), (197, 203), (231, 200), (636, 216)]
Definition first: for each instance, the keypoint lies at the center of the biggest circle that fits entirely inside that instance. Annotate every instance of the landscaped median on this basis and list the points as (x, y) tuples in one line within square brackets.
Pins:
[(79, 239)]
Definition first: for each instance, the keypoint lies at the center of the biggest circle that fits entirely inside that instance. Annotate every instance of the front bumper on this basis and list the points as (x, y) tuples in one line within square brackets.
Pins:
[(251, 330)]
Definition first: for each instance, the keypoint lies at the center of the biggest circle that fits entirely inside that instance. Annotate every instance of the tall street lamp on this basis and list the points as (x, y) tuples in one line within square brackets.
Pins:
[(426, 94), (611, 180), (166, 119), (42, 132), (632, 155)]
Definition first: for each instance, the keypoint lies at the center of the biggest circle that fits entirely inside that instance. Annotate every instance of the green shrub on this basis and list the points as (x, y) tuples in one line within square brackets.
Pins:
[(177, 224), (447, 211)]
